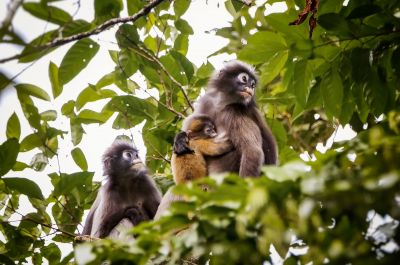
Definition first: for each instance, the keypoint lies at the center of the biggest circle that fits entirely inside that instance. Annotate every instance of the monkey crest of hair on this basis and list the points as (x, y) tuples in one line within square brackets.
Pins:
[(226, 81)]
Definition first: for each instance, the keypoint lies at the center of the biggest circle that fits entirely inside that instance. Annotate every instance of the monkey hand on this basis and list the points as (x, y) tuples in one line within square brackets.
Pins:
[(135, 215)]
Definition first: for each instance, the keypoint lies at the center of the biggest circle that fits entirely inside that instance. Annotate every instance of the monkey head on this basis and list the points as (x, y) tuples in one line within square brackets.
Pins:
[(200, 126), (122, 159), (236, 82)]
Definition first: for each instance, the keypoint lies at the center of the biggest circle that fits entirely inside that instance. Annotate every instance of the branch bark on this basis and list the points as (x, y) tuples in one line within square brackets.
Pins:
[(12, 9), (106, 25)]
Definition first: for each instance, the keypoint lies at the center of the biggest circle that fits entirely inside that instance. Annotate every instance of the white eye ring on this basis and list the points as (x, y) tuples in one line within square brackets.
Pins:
[(127, 155), (243, 77)]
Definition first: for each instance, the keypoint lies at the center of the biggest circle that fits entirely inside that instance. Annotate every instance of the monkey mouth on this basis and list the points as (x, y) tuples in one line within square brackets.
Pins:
[(136, 163), (248, 92)]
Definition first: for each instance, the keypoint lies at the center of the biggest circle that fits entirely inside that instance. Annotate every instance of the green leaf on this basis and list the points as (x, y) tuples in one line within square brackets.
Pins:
[(8, 155), (133, 107), (89, 116), (174, 69), (301, 82), (183, 26), (363, 11), (185, 64), (180, 7), (13, 127), (30, 111), (49, 115), (90, 94), (79, 158), (262, 46), (54, 80), (273, 67), (48, 13), (75, 27), (127, 36), (76, 59), (30, 50), (332, 93), (24, 186), (205, 70), (181, 43), (29, 142), (33, 90), (68, 108), (68, 182), (106, 80), (107, 9), (134, 6), (127, 62), (19, 166), (335, 23), (76, 131), (4, 81)]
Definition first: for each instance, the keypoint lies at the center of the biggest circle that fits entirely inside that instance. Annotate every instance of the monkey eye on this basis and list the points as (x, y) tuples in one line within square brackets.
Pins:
[(128, 155), (243, 77)]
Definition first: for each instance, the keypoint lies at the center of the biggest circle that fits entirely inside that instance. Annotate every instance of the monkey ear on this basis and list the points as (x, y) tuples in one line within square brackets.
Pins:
[(107, 164)]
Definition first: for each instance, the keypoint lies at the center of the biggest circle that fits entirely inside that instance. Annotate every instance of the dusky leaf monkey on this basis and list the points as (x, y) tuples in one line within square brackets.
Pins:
[(188, 158), (130, 193), (191, 146), (229, 102)]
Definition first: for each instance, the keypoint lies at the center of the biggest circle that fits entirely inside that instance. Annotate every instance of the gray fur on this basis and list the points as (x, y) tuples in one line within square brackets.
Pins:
[(240, 119), (129, 193)]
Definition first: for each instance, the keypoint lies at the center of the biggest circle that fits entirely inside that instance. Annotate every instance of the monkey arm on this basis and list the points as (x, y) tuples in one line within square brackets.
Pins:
[(110, 221), (136, 215), (268, 141), (212, 147), (87, 229), (251, 161)]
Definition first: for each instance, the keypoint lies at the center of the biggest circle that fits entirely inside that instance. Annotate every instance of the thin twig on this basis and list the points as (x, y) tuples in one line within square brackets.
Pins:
[(180, 115), (37, 222), (12, 9), (106, 25), (157, 61), (246, 2)]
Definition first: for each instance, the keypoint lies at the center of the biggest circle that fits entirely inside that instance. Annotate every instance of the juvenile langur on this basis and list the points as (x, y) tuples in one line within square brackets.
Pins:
[(130, 193), (190, 147), (229, 102)]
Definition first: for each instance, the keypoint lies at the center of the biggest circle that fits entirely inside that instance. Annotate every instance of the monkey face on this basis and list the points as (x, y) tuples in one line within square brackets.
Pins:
[(209, 130), (121, 159), (245, 86), (132, 160)]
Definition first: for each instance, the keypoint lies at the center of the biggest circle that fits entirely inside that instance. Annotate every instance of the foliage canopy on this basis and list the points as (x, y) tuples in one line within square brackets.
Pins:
[(338, 207)]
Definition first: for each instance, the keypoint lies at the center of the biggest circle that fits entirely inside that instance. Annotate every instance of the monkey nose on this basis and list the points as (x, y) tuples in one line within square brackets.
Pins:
[(249, 90)]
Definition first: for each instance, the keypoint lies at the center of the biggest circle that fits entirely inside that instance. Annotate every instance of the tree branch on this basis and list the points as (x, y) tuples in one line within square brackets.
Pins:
[(106, 25), (12, 9)]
